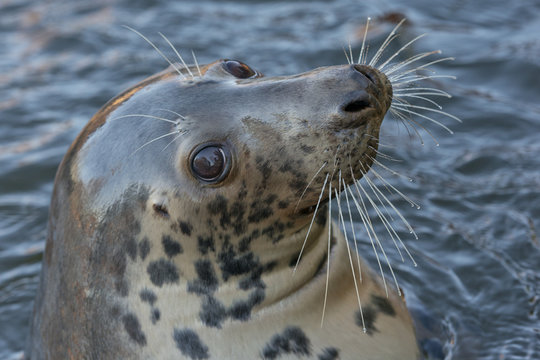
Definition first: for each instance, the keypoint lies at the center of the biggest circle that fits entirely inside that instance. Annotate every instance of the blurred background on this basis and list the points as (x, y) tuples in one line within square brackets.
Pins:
[(475, 293)]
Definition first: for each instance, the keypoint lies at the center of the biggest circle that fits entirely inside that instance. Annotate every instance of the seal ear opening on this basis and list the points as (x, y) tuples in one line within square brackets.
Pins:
[(161, 209)]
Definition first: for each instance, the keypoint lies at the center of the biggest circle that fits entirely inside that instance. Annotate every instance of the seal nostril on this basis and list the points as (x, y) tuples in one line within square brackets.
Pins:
[(357, 105), (362, 70)]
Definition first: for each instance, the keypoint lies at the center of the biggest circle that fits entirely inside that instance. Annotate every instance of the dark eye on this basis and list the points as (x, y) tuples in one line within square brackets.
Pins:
[(210, 164), (238, 69)]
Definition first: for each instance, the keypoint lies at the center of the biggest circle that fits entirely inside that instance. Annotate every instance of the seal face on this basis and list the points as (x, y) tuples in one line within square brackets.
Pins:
[(181, 209)]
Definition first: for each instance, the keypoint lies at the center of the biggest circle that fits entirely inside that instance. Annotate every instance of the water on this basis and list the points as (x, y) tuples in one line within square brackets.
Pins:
[(476, 289)]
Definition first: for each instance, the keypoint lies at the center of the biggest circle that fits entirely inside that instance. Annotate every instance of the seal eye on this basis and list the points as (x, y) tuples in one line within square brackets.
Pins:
[(238, 69), (210, 164)]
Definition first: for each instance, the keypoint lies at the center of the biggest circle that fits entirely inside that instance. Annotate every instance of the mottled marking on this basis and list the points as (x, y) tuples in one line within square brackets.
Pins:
[(283, 204), (185, 227), (383, 305), (291, 341), (190, 344), (205, 244), (259, 211), (162, 272), (131, 248), (122, 286), (155, 315), (241, 309), (207, 281), (133, 328), (307, 149), (144, 248), (329, 353), (148, 296), (233, 264), (370, 315), (213, 312), (171, 247)]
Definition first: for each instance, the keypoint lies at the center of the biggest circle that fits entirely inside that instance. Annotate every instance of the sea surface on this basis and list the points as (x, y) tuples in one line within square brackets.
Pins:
[(475, 293)]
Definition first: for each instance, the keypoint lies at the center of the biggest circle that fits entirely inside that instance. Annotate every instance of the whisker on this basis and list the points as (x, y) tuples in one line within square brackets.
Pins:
[(415, 78), (423, 66), (151, 141), (173, 140), (177, 54), (145, 116), (398, 107), (385, 43), (362, 56), (373, 186), (399, 51), (434, 90), (350, 258), (174, 112), (307, 186), (311, 224), (392, 171), (422, 98), (369, 230), (196, 62), (157, 49), (328, 250), (410, 60), (383, 155), (347, 56), (350, 52), (430, 109), (359, 185), (351, 223)]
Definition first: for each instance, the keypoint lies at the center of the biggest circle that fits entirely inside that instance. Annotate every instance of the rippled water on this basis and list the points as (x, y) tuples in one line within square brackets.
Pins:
[(477, 287)]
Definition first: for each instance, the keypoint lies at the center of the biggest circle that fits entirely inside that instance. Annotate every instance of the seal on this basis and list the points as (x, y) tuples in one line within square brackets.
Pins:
[(189, 220)]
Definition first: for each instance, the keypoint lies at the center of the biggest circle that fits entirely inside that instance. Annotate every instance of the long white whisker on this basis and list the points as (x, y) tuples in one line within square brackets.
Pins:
[(350, 258), (423, 66), (196, 62), (173, 140), (390, 170), (151, 141), (157, 49), (174, 112), (359, 185), (177, 54), (409, 61), (422, 98), (145, 116), (399, 51), (328, 250), (415, 78), (398, 107), (351, 223), (362, 56), (311, 224), (385, 43), (429, 109), (369, 230), (309, 183)]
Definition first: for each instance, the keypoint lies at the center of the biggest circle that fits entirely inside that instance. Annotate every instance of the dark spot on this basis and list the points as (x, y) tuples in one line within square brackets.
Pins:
[(307, 149), (282, 204), (155, 315), (264, 167), (122, 287), (207, 281), (218, 205), (259, 211), (115, 311), (383, 305), (148, 296), (233, 264), (185, 228), (133, 328), (190, 344), (294, 260), (291, 341), (162, 272), (131, 248), (171, 247), (253, 280), (118, 266), (298, 184), (329, 353), (370, 315), (213, 312), (241, 310), (144, 248), (320, 219), (205, 244)]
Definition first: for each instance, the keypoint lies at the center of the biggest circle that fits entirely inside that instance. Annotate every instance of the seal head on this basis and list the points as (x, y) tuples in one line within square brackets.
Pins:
[(181, 209)]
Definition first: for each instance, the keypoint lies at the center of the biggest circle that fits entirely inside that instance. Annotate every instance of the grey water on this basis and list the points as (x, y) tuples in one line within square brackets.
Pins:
[(475, 293)]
